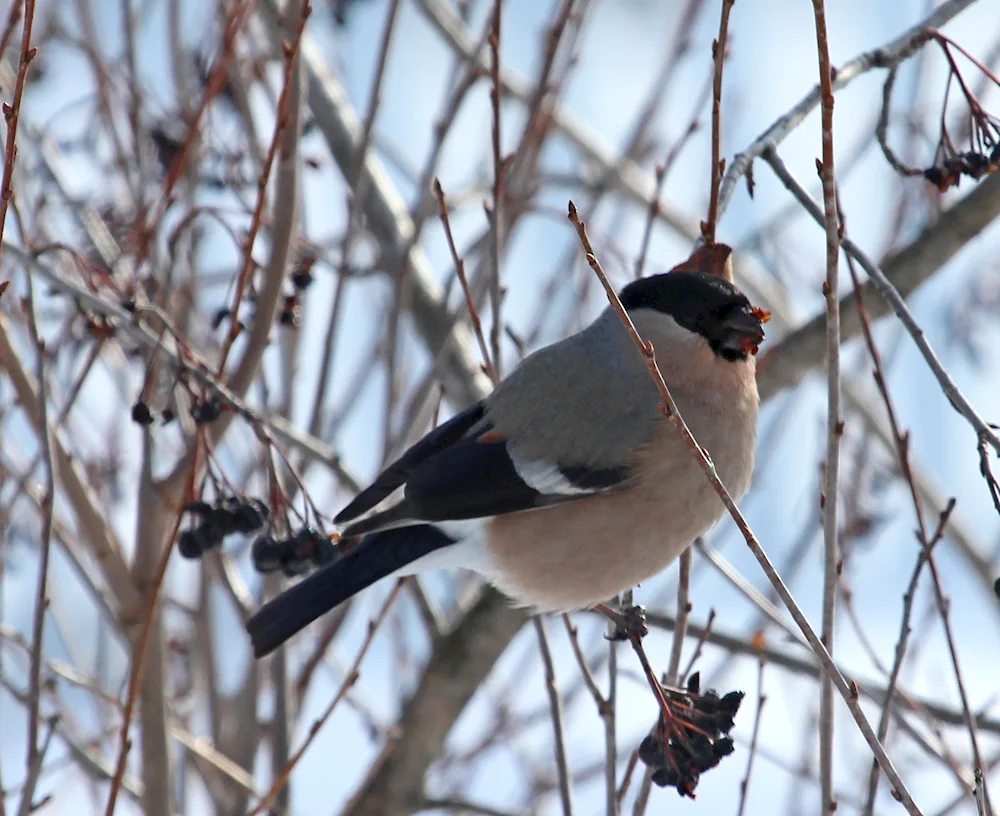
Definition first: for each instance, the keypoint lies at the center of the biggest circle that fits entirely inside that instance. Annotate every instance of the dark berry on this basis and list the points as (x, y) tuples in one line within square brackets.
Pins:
[(942, 177), (700, 747), (301, 278), (188, 544), (141, 414), (304, 543), (129, 305), (708, 702), (665, 777), (723, 747), (707, 723), (687, 784), (975, 164), (694, 683), (723, 723), (265, 553), (249, 516), (167, 416), (206, 412), (730, 703), (211, 535), (194, 543), (702, 754), (199, 508), (295, 568), (651, 750)]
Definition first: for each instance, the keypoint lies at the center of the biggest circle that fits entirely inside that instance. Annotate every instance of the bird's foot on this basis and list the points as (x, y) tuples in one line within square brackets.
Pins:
[(630, 622)]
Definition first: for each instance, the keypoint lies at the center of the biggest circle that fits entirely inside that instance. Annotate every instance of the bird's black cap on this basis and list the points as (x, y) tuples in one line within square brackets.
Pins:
[(706, 304)]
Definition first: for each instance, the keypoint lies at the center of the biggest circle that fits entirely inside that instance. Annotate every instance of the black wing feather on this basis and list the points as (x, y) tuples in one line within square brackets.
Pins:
[(397, 474), (449, 476), (471, 479)]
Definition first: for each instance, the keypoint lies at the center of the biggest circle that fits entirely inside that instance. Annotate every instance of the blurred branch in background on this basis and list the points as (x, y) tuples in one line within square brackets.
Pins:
[(208, 250)]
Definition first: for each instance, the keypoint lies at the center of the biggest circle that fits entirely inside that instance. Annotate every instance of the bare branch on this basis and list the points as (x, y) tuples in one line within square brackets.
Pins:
[(834, 418)]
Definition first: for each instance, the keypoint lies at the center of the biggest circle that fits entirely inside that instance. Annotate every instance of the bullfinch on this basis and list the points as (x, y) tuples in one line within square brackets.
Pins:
[(566, 485)]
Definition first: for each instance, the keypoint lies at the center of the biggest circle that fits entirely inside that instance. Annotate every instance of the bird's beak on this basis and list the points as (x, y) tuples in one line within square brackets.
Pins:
[(743, 330)]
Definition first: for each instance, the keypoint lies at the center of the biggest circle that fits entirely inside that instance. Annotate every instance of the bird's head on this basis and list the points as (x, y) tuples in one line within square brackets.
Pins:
[(707, 305)]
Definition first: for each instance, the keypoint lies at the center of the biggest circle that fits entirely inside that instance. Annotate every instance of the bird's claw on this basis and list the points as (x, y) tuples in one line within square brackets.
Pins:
[(630, 622)]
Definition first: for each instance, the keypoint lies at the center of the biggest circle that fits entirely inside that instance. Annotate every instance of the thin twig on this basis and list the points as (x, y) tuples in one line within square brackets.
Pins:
[(556, 708), (588, 676), (901, 646), (982, 808), (895, 301), (281, 121), (494, 211), (902, 452), (28, 805), (142, 233), (13, 15), (470, 303), (706, 633), (834, 420), (893, 53), (47, 509), (605, 709), (349, 680), (608, 714), (744, 645), (141, 644), (761, 699), (943, 605), (882, 128), (12, 112), (718, 163), (847, 690), (653, 209), (683, 610), (186, 360)]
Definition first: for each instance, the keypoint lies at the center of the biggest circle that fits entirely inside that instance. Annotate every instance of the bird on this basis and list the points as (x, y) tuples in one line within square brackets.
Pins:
[(567, 484)]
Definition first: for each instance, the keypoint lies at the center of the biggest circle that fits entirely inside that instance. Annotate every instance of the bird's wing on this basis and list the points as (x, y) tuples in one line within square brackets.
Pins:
[(485, 477), (453, 477), (396, 474), (495, 458)]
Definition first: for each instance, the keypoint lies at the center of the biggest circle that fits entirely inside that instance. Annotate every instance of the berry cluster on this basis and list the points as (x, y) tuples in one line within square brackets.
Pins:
[(294, 555), (226, 516), (948, 171), (203, 412), (696, 743)]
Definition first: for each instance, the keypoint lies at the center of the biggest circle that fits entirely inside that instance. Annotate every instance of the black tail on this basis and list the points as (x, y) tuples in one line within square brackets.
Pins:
[(376, 556)]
